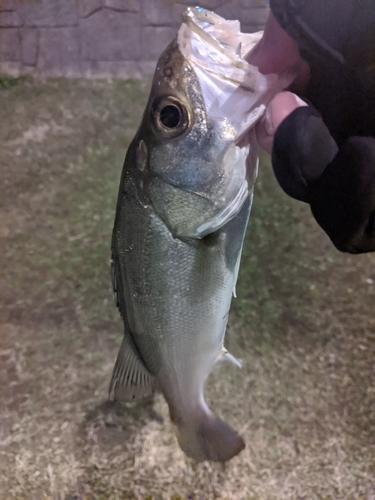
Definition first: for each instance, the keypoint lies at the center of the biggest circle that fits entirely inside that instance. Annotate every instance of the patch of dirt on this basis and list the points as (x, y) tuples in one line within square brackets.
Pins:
[(303, 323)]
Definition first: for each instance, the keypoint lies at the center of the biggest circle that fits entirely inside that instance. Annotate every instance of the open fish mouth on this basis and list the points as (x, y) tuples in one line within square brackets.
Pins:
[(232, 88)]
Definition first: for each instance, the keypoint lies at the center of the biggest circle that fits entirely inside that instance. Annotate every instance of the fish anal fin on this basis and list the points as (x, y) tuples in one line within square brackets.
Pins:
[(130, 380)]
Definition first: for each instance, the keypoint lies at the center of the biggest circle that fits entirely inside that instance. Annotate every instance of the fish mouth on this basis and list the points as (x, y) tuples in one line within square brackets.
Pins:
[(232, 88), (226, 40)]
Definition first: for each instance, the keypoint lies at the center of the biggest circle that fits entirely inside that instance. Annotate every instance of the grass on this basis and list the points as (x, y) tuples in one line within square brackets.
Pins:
[(6, 82), (303, 323)]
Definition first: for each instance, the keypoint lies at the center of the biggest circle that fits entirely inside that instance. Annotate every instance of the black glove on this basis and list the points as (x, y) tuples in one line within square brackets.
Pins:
[(339, 186), (328, 158)]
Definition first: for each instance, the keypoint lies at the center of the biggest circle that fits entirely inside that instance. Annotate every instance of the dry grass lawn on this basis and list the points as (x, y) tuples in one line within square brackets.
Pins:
[(303, 323)]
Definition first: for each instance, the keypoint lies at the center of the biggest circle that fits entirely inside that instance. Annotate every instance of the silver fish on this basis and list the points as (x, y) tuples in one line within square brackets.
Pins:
[(182, 211)]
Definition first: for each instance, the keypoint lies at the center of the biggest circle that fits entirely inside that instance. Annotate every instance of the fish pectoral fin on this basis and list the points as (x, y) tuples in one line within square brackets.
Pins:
[(130, 380), (225, 355)]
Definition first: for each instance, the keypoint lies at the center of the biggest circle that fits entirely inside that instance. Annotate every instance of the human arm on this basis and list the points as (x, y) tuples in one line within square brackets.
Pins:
[(325, 157)]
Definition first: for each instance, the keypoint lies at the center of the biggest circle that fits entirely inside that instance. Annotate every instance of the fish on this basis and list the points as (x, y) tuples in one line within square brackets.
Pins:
[(182, 211)]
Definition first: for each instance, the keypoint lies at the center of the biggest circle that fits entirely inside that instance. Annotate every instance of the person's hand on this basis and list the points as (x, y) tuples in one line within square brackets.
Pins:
[(327, 159)]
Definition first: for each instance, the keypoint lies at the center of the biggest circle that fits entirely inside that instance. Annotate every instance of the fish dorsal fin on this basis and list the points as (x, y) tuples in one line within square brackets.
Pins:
[(130, 380)]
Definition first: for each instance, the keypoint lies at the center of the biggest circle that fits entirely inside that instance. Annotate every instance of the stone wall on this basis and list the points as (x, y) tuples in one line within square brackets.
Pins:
[(99, 38)]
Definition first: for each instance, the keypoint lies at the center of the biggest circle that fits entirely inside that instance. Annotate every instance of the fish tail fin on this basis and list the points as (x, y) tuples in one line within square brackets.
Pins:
[(209, 438)]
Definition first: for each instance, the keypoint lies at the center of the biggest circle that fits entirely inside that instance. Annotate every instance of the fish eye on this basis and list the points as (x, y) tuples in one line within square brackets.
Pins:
[(170, 117)]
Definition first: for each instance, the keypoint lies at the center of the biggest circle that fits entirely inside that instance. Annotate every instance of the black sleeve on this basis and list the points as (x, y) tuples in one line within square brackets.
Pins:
[(337, 39), (339, 184)]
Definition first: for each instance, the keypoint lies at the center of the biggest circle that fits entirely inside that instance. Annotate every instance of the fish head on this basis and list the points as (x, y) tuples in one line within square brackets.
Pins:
[(196, 173), (198, 165)]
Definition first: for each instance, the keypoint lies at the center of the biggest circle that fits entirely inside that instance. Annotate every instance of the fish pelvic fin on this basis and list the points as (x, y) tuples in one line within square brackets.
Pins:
[(130, 380), (225, 355), (209, 438)]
